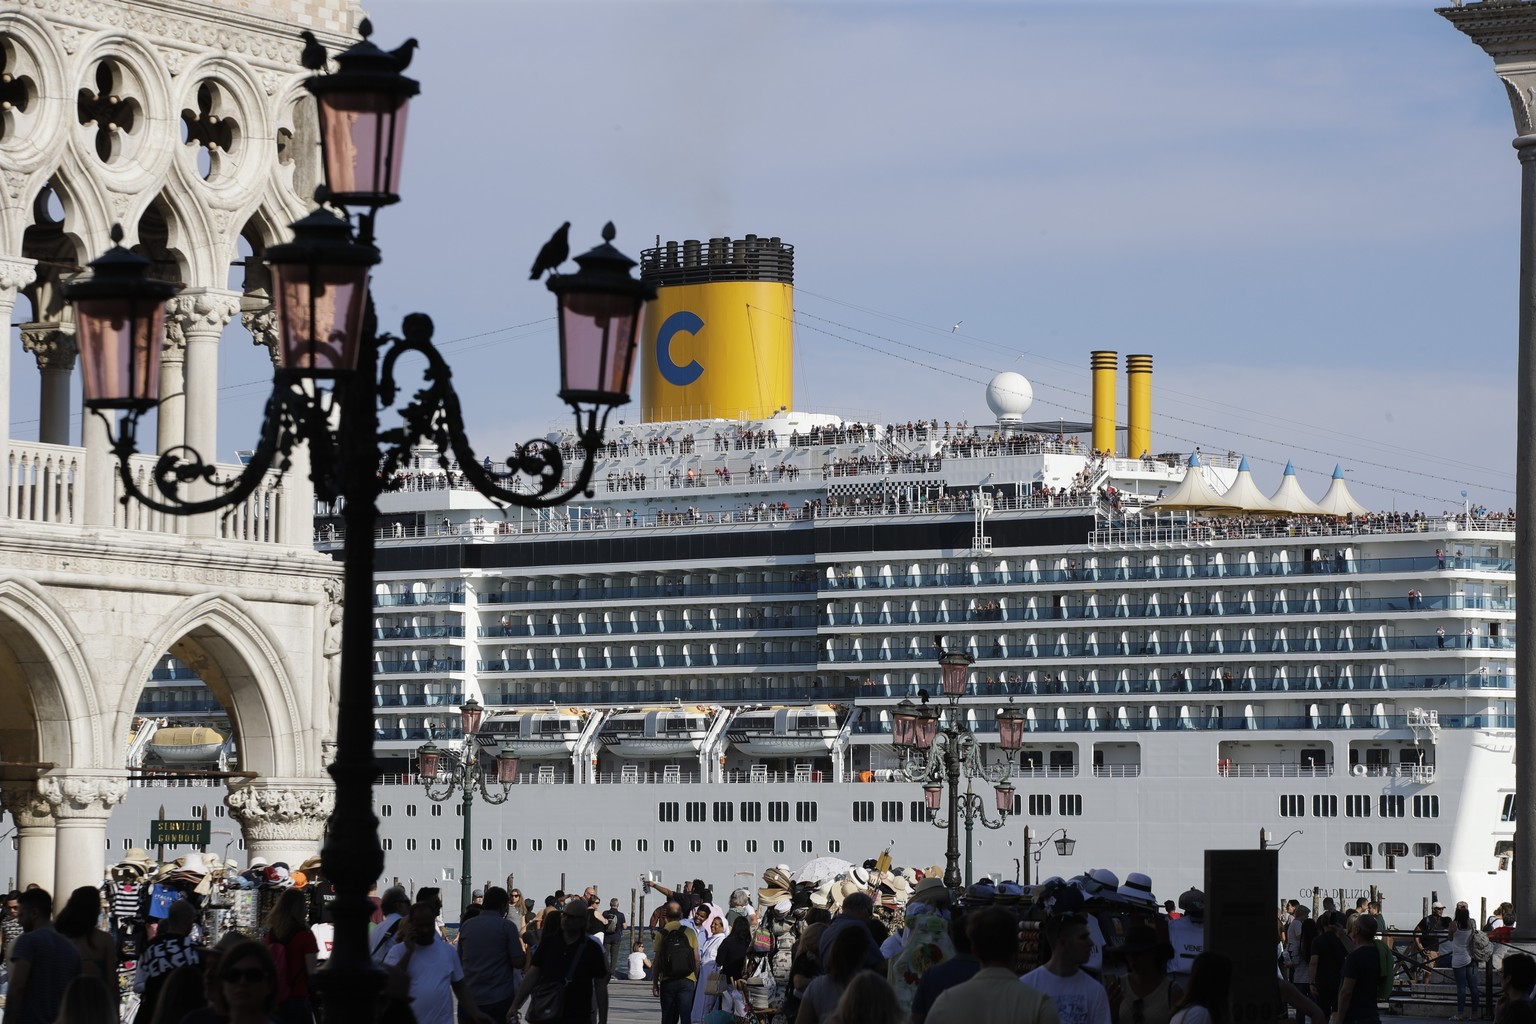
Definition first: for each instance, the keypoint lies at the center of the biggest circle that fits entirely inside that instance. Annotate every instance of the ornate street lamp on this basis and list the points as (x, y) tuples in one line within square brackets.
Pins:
[(335, 372), (465, 773), (937, 754), (1033, 849)]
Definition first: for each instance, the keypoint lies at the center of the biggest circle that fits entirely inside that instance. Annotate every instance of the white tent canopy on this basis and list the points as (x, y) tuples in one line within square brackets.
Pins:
[(1193, 494), (1289, 497), (1338, 501), (1244, 495)]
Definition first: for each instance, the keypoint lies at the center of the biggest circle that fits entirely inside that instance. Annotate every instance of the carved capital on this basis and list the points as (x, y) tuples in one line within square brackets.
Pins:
[(16, 272), (53, 345), (24, 803), (84, 795), (199, 314), (261, 320), (293, 809)]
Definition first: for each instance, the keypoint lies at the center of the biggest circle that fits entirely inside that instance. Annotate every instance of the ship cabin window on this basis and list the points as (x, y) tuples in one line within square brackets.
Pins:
[(1426, 806), (805, 810), (695, 845), (778, 846), (1071, 804), (389, 844), (668, 846), (1391, 806), (805, 846), (642, 845), (751, 810), (1390, 852), (890, 810), (695, 810), (537, 845), (487, 845), (437, 810), (1040, 804), (1428, 851), (1292, 805), (667, 810), (1314, 758), (410, 810), (751, 845), (385, 810), (437, 844), (722, 846), (724, 810), (1508, 813), (1063, 759), (919, 810), (1325, 806), (563, 845), (863, 810), (410, 844), (511, 845), (590, 845), (1357, 806), (1360, 852), (778, 810), (616, 845)]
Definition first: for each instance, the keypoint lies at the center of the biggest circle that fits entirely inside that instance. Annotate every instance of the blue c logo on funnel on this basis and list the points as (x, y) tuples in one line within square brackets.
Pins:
[(687, 323)]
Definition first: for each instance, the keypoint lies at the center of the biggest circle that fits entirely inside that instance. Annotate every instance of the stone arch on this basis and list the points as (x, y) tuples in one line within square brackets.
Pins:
[(243, 665), (236, 180), (52, 709), (140, 156), (33, 126)]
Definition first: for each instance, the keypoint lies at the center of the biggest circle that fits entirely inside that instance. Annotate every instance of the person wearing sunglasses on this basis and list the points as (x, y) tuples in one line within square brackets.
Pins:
[(247, 983)]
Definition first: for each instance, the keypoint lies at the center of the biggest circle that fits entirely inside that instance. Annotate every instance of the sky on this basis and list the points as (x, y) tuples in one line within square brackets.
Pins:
[(1306, 212)]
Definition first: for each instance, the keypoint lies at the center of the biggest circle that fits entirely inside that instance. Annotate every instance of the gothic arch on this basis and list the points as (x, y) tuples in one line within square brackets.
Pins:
[(244, 666), (52, 710)]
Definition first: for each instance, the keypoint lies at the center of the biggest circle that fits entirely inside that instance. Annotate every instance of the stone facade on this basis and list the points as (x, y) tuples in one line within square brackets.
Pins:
[(185, 121)]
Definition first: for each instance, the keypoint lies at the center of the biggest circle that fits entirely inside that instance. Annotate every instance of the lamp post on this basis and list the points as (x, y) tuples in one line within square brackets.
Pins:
[(329, 336), (1064, 848), (464, 772), (937, 750)]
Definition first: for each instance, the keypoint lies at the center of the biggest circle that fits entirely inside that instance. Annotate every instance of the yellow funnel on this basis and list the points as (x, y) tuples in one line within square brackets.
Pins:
[(1105, 365)]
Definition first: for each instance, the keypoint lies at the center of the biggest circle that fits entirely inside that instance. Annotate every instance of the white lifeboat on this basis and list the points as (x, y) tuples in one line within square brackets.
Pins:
[(546, 734), (644, 733), (186, 744), (785, 731)]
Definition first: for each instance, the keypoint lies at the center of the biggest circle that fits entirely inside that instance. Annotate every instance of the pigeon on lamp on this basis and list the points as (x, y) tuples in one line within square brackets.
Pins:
[(313, 56), (554, 252), (403, 53)]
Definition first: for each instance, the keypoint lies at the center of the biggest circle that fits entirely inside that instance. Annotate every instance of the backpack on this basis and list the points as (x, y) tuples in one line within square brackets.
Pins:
[(612, 927), (674, 957), (279, 953), (1386, 968), (1480, 946)]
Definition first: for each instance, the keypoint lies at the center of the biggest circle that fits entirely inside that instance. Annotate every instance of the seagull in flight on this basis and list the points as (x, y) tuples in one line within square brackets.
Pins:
[(955, 328)]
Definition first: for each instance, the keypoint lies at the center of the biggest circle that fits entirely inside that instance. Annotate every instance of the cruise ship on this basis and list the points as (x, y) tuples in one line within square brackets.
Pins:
[(697, 667)]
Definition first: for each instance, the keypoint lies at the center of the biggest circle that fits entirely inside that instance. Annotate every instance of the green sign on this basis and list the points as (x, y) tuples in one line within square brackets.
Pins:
[(194, 832)]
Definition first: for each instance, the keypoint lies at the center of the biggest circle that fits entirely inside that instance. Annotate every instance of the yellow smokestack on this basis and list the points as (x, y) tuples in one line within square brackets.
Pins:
[(1105, 367), (1138, 374)]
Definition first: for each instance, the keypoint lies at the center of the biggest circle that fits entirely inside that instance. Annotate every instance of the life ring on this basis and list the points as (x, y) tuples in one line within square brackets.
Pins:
[(1358, 770)]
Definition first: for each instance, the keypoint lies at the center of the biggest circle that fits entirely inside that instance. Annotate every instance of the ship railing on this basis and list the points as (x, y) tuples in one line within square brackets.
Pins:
[(1117, 771), (638, 777), (1271, 770), (764, 776), (1409, 772), (174, 782), (1150, 529)]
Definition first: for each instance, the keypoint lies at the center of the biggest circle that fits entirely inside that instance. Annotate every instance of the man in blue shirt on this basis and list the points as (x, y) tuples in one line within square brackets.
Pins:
[(43, 963)]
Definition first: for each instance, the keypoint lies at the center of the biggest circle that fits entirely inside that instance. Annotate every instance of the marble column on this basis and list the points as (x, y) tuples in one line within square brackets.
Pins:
[(282, 819), (81, 802), (199, 316), (53, 346), (16, 273), (296, 516), (35, 846)]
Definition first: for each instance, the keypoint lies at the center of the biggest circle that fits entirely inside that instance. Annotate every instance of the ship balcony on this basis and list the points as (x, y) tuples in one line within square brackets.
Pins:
[(419, 700), (414, 667), (418, 632), (1228, 769), (416, 733), (1046, 649), (423, 598), (149, 706), (622, 662), (593, 592), (645, 692), (762, 624), (1151, 718)]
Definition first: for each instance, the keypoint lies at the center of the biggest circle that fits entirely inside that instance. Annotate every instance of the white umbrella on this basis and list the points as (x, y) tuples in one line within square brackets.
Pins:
[(822, 869)]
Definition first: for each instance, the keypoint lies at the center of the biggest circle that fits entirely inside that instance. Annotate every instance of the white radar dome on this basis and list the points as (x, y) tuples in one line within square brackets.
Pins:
[(1009, 396)]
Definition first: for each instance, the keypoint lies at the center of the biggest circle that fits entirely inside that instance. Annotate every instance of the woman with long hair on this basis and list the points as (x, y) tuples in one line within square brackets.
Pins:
[(77, 922), (1209, 998), (868, 999), (845, 958), (87, 1001), (247, 981), (1463, 967), (295, 953)]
